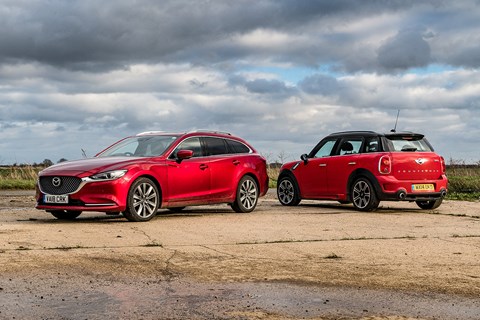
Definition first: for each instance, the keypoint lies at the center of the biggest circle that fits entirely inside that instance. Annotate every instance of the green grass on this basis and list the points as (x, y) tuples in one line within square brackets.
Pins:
[(15, 184), (18, 177)]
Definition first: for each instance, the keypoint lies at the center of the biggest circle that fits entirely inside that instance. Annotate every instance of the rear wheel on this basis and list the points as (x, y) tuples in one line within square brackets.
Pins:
[(428, 205), (247, 195), (363, 195), (65, 214), (287, 192), (143, 200)]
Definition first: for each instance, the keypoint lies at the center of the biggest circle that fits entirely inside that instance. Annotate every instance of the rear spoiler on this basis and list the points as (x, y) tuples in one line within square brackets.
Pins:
[(404, 136)]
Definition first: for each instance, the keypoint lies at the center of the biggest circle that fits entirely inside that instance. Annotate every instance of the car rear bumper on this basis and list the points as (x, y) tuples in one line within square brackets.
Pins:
[(389, 188)]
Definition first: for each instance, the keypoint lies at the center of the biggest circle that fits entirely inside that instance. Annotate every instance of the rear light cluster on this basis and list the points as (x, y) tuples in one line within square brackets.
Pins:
[(385, 165), (444, 166)]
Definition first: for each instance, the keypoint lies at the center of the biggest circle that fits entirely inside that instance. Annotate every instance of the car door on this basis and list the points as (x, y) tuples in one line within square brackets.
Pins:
[(223, 167), (312, 174), (342, 164), (189, 179)]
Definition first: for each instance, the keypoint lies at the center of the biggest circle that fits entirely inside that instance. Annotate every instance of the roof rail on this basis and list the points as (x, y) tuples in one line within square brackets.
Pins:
[(211, 131), (149, 132)]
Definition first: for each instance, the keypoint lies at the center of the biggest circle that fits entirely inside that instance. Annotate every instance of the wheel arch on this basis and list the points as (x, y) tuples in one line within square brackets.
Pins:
[(252, 175), (154, 180), (359, 173), (289, 173)]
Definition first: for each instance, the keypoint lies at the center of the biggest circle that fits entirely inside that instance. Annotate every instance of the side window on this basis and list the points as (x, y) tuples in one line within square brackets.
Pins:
[(325, 149), (350, 146), (189, 144), (237, 147), (215, 146), (372, 144)]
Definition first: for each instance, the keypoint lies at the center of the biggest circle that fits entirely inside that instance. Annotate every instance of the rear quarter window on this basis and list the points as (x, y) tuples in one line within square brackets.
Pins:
[(237, 147)]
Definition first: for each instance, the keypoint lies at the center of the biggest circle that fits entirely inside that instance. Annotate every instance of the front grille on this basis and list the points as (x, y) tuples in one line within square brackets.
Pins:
[(56, 185)]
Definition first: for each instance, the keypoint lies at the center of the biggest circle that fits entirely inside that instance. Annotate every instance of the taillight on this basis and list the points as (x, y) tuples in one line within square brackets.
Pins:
[(444, 166), (385, 165)]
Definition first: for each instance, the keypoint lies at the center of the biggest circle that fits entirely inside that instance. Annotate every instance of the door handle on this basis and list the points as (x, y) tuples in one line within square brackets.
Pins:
[(203, 166), (322, 165), (352, 163), (236, 162)]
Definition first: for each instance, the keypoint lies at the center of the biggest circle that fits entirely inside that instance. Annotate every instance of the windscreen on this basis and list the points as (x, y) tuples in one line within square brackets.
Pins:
[(407, 143), (140, 146)]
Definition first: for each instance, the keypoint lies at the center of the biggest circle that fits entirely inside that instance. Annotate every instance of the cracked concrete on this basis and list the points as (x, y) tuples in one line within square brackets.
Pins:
[(209, 262)]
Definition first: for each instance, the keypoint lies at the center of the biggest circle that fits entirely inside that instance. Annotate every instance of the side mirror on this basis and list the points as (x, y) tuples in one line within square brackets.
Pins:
[(183, 155), (304, 158)]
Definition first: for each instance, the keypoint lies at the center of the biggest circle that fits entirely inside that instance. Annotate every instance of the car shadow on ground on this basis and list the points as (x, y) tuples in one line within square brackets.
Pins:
[(88, 217), (350, 208)]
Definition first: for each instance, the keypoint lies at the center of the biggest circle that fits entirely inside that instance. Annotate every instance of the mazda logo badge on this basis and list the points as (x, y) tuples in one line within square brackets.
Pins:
[(56, 181), (421, 161)]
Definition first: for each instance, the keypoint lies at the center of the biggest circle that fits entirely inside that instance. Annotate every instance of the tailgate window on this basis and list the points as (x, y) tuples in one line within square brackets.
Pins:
[(407, 143)]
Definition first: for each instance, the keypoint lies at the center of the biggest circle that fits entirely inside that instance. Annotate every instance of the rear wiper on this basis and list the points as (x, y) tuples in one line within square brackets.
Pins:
[(409, 149)]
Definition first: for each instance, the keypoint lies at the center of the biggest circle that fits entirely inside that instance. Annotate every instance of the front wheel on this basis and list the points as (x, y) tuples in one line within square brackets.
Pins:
[(143, 200), (287, 192), (428, 205), (363, 195), (247, 195), (65, 214)]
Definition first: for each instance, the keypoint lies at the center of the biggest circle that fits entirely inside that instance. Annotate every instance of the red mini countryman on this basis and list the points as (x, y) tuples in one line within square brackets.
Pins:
[(140, 174), (365, 168)]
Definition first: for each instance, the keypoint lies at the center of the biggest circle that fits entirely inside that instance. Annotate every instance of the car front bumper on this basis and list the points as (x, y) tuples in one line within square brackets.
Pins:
[(103, 196)]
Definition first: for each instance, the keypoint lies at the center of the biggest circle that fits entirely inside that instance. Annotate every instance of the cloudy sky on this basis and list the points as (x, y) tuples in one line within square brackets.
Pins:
[(282, 74)]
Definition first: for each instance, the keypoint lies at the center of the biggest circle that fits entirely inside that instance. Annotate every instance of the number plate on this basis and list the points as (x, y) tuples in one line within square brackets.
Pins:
[(423, 187), (55, 199)]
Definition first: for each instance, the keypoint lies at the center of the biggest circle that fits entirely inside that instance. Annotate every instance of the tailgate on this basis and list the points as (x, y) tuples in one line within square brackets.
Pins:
[(416, 165)]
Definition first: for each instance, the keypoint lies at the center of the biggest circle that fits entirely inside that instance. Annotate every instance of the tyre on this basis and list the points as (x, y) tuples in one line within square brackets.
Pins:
[(65, 214), (363, 195), (428, 205), (143, 200), (287, 191), (247, 195)]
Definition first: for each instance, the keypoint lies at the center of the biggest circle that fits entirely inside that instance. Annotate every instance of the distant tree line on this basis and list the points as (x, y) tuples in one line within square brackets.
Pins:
[(45, 163)]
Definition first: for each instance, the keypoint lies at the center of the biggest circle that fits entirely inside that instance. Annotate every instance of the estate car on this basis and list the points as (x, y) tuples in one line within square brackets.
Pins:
[(364, 168), (140, 174)]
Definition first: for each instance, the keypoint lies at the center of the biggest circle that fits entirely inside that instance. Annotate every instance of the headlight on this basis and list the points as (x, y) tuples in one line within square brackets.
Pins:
[(108, 175)]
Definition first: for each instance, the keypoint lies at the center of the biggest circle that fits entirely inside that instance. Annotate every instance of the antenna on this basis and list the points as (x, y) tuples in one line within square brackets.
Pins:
[(396, 121)]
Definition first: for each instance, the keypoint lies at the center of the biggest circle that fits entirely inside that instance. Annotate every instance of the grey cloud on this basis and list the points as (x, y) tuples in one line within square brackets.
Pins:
[(320, 84), (95, 36), (91, 72), (406, 50), (264, 86)]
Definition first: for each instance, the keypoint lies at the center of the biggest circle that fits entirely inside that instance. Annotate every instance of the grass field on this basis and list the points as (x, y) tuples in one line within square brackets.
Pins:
[(464, 180)]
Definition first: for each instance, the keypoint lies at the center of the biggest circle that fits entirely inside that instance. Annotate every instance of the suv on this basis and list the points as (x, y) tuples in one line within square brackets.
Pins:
[(152, 170), (364, 168)]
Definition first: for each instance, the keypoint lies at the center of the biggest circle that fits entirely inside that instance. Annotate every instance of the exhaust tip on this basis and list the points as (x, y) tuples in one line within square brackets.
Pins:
[(402, 195), (443, 193)]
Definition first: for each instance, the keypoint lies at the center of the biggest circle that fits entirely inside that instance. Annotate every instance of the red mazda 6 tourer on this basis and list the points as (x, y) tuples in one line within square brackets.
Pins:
[(140, 174)]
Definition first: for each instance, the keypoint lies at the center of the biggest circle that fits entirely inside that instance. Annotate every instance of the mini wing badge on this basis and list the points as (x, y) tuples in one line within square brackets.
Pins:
[(421, 161)]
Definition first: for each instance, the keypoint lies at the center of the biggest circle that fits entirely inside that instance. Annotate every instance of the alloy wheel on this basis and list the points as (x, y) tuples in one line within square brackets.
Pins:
[(361, 194), (248, 194), (286, 191), (145, 199)]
